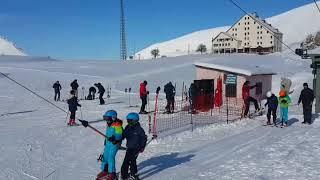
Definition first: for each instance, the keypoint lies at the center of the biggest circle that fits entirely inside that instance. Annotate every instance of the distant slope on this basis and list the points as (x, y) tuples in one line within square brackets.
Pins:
[(8, 48), (295, 24)]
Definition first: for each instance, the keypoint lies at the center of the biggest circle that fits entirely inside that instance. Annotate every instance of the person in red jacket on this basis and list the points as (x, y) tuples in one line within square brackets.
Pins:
[(247, 98), (143, 96)]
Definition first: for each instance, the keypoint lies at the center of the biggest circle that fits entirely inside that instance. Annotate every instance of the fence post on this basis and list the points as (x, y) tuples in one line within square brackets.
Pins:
[(227, 110)]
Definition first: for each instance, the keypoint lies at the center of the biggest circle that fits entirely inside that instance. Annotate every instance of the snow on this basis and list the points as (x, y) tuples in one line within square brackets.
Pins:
[(8, 48), (36, 143), (227, 63), (303, 21)]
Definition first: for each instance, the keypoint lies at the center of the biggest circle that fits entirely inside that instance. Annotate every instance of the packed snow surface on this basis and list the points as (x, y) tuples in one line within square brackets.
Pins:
[(37, 144)]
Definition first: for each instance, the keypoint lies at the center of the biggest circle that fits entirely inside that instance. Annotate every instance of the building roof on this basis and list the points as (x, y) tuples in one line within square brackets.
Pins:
[(244, 70), (227, 34), (265, 24)]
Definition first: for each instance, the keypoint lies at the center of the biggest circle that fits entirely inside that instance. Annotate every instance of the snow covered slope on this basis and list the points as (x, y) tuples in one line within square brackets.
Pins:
[(8, 48), (295, 25), (36, 143)]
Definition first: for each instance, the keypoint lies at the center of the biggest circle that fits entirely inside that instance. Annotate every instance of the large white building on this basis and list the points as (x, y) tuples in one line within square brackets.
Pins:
[(249, 35)]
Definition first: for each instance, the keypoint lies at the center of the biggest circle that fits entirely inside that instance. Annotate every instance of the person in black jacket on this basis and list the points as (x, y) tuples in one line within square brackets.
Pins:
[(57, 88), (170, 93), (306, 97), (136, 142), (74, 86), (101, 91), (92, 93), (272, 102), (73, 107)]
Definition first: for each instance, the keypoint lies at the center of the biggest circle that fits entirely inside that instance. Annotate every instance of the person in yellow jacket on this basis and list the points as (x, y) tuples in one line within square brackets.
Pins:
[(284, 101)]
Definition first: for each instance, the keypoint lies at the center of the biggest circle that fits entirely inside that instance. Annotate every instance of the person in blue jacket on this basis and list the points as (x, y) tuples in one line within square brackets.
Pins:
[(136, 142), (112, 143), (272, 103)]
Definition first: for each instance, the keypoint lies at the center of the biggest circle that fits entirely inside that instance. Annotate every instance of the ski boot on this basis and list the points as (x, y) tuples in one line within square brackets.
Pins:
[(102, 175), (112, 176)]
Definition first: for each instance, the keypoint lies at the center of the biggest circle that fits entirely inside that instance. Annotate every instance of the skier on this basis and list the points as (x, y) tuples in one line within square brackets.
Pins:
[(92, 93), (306, 97), (192, 96), (247, 98), (57, 88), (143, 96), (74, 86), (112, 143), (73, 107), (170, 93), (285, 101), (136, 142), (101, 92), (272, 103)]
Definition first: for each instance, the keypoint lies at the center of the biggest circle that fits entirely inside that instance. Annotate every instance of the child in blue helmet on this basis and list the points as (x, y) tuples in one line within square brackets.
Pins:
[(112, 143), (136, 142)]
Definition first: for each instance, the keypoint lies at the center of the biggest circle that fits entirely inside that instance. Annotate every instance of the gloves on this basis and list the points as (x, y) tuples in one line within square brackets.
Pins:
[(84, 123), (112, 140), (100, 158), (284, 101)]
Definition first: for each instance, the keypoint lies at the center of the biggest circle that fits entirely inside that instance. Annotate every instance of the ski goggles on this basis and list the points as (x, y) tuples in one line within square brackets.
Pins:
[(108, 118)]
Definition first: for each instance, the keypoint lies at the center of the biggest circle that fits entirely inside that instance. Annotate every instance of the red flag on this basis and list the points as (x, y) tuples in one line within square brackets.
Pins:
[(218, 94)]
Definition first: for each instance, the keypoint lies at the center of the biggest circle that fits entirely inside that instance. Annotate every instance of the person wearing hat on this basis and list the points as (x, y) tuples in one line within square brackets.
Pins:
[(306, 97), (143, 96), (101, 92), (285, 101), (272, 103), (136, 142), (247, 98), (112, 143), (74, 86), (57, 88), (73, 107)]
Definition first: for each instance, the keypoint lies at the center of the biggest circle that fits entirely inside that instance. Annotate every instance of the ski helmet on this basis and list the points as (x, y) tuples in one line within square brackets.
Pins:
[(110, 114), (269, 94), (133, 116), (282, 93)]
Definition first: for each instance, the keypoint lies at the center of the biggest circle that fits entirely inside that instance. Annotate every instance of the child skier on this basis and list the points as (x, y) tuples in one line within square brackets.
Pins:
[(112, 143), (73, 107), (285, 101), (272, 102), (136, 142)]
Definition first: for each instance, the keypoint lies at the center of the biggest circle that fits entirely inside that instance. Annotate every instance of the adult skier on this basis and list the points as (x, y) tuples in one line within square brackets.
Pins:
[(74, 86), (143, 96), (306, 97), (92, 93), (101, 92), (247, 98), (112, 143), (57, 88), (272, 103), (136, 142), (285, 101), (170, 93), (73, 107)]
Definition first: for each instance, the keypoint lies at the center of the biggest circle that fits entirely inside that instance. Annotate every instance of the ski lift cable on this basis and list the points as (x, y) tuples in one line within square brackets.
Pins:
[(263, 25), (13, 80), (315, 2)]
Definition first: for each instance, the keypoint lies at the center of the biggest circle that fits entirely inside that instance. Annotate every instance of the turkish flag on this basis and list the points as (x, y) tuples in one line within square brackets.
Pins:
[(218, 94)]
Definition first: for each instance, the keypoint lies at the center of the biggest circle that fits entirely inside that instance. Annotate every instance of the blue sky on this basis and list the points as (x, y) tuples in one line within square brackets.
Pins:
[(89, 29)]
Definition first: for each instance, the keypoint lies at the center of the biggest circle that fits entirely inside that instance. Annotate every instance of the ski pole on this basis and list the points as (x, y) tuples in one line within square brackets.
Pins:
[(81, 112)]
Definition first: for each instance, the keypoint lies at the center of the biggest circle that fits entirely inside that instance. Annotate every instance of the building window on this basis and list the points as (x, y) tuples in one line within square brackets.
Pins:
[(248, 28), (245, 44), (270, 42), (261, 32), (271, 37), (231, 90), (228, 44), (260, 37), (222, 44), (267, 32), (248, 23), (245, 34), (245, 28), (219, 44), (261, 43), (239, 24), (258, 43), (254, 22), (258, 32), (261, 27), (257, 27), (258, 88), (248, 33), (247, 38), (236, 34), (245, 23), (236, 29)]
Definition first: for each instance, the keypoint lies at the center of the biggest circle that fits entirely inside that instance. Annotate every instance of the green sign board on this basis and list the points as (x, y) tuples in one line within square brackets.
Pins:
[(231, 79)]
